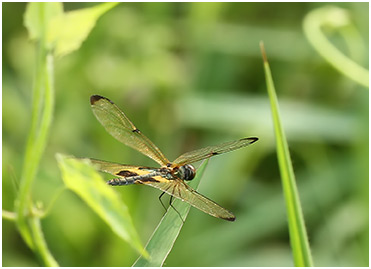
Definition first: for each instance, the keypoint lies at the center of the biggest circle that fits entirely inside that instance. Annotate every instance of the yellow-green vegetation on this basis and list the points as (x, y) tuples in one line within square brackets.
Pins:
[(188, 75)]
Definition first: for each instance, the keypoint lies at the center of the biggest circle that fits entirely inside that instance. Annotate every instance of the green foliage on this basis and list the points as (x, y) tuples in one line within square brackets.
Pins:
[(43, 107), (188, 75), (38, 20), (82, 179), (63, 32), (67, 31), (298, 234), (39, 16)]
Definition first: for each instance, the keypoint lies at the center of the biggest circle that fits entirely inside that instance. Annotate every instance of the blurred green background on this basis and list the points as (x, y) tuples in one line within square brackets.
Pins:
[(190, 75)]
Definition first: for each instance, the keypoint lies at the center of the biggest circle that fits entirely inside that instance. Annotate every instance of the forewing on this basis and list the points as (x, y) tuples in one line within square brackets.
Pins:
[(120, 127), (182, 191), (204, 153)]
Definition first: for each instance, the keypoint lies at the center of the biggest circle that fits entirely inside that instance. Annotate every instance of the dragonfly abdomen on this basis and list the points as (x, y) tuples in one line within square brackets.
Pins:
[(133, 179), (120, 181)]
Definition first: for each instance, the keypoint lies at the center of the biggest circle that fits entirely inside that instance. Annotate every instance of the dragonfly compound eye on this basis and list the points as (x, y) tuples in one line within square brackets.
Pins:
[(187, 172)]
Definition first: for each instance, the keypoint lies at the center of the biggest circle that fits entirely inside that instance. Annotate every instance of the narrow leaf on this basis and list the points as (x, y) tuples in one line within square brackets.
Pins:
[(298, 235), (163, 238), (81, 177)]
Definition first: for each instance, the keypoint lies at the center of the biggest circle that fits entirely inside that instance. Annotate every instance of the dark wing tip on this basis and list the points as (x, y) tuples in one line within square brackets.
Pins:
[(233, 218), (252, 139), (96, 98)]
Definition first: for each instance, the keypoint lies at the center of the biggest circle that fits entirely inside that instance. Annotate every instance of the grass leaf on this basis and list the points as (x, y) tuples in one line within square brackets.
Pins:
[(82, 178), (298, 235), (163, 238)]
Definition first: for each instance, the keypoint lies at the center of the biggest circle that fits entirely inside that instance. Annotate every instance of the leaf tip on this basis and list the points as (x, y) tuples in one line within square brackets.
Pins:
[(262, 48)]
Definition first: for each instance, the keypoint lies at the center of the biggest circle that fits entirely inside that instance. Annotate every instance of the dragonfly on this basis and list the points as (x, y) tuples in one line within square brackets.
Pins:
[(171, 176)]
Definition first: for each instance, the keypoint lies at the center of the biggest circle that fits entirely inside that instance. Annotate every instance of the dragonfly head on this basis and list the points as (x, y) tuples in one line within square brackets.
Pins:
[(187, 172)]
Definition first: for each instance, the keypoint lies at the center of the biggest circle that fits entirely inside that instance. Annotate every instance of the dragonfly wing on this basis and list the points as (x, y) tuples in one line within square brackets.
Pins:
[(182, 191), (120, 127), (204, 153)]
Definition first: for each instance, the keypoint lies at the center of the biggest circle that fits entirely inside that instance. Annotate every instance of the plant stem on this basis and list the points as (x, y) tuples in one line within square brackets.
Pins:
[(9, 215), (41, 118), (41, 248)]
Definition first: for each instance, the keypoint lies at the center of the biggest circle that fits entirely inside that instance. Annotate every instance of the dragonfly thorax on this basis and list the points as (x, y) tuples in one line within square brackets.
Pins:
[(187, 172)]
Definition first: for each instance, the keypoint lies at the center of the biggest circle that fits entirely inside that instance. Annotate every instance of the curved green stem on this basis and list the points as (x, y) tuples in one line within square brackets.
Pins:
[(41, 248), (339, 18)]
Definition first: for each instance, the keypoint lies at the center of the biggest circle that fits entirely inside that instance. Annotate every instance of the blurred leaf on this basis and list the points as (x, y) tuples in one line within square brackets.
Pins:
[(216, 93), (65, 31), (81, 178), (298, 234), (38, 15), (163, 238), (68, 30)]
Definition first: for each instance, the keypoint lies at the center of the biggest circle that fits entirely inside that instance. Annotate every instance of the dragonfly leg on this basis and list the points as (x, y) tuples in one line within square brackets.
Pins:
[(171, 204), (161, 201)]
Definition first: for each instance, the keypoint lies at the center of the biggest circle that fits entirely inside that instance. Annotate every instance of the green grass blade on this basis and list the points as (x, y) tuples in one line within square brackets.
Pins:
[(163, 238), (82, 178), (298, 235)]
